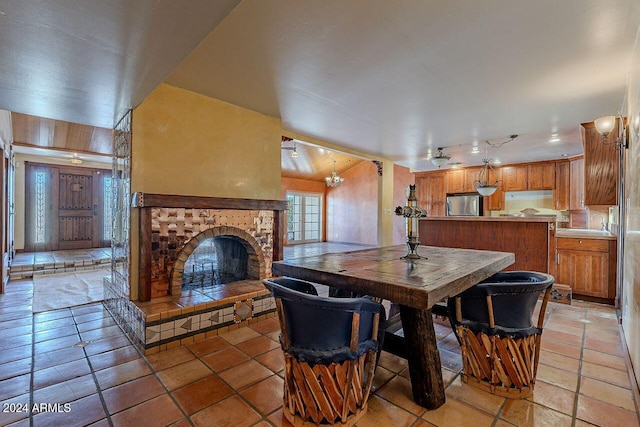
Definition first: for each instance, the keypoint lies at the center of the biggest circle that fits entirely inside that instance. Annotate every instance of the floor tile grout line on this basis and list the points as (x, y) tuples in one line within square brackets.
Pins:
[(574, 414), (165, 388), (235, 391), (33, 366), (93, 373)]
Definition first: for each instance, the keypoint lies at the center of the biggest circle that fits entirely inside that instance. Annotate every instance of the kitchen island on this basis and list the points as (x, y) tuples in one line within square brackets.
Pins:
[(531, 238)]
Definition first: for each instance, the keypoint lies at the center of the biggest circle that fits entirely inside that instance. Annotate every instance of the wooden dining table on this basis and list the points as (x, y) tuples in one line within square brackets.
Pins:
[(414, 284)]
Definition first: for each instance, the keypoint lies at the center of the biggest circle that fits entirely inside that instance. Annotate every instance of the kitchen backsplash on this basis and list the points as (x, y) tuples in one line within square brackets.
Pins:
[(541, 201)]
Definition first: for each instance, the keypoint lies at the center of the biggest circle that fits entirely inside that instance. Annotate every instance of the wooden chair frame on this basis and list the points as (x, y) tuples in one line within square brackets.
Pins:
[(336, 393), (505, 366)]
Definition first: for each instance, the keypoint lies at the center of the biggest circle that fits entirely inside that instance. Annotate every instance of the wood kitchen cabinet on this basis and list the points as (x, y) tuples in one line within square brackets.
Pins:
[(541, 176), (470, 177), (562, 188), (461, 180), (601, 163), (587, 265), (430, 191), (454, 181), (514, 178), (576, 185), (495, 202)]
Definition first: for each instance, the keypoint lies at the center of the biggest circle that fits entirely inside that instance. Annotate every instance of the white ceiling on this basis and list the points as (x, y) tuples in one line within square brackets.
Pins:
[(390, 78)]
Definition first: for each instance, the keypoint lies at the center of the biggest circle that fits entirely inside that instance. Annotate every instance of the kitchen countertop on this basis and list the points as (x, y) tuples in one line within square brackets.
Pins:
[(577, 233), (492, 218)]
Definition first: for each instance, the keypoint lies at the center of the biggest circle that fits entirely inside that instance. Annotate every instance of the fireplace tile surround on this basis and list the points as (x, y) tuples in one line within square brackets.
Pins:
[(177, 318)]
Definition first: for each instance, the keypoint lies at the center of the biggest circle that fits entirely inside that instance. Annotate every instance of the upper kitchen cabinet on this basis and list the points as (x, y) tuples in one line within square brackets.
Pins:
[(430, 191), (561, 193), (455, 181), (576, 196), (461, 180), (601, 166), (495, 202), (470, 177), (514, 178), (541, 176)]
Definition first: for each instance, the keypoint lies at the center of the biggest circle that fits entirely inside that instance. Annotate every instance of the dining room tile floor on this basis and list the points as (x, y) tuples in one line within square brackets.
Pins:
[(78, 356)]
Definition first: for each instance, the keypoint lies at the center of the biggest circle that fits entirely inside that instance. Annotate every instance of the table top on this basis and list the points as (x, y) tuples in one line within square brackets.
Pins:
[(444, 272)]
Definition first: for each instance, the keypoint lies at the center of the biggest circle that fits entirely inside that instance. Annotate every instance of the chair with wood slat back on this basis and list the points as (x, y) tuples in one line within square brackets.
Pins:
[(500, 343), (330, 347)]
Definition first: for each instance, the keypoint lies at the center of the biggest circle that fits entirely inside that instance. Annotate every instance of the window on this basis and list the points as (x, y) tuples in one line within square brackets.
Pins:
[(40, 206), (107, 208), (304, 217)]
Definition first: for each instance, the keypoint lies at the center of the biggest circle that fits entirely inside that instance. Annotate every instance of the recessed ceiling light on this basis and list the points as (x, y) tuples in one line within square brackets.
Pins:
[(496, 161), (475, 150), (564, 155), (555, 138)]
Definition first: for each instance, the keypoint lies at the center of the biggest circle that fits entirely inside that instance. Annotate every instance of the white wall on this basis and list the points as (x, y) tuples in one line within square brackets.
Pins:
[(19, 229)]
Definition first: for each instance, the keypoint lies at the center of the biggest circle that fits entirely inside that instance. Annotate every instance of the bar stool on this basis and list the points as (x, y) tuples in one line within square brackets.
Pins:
[(330, 348), (499, 342)]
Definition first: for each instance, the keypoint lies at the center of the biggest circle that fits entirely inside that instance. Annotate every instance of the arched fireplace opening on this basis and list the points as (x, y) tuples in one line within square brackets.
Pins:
[(217, 256), (216, 261)]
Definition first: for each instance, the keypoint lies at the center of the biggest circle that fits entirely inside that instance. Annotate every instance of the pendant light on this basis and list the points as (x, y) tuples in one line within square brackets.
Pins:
[(485, 185), (440, 159)]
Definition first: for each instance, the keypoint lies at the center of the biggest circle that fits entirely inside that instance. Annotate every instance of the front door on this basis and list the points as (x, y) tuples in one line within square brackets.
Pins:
[(75, 209), (66, 207)]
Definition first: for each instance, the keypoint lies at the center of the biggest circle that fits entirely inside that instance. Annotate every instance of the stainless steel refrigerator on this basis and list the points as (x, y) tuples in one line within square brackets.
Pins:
[(464, 205)]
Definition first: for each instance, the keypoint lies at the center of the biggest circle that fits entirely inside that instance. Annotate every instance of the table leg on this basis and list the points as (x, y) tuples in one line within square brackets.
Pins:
[(423, 357)]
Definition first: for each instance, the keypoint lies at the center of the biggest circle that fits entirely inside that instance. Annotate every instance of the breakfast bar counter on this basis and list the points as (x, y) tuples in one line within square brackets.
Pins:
[(530, 238)]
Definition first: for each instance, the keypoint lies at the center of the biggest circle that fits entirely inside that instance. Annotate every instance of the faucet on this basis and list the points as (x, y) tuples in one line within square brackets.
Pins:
[(603, 225)]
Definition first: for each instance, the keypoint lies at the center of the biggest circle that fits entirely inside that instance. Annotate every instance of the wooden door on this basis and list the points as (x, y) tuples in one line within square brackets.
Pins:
[(76, 228), (67, 207)]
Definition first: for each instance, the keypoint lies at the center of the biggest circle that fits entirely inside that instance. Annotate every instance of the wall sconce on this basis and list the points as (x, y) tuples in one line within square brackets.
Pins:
[(294, 149), (440, 159), (605, 125)]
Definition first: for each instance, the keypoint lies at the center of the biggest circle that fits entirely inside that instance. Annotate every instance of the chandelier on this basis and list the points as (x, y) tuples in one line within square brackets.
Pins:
[(440, 159), (334, 180)]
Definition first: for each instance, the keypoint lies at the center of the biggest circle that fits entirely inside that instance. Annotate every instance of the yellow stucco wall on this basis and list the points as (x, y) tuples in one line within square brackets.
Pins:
[(189, 144)]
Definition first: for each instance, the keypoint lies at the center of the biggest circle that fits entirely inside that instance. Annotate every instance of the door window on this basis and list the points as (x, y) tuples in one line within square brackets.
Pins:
[(304, 217)]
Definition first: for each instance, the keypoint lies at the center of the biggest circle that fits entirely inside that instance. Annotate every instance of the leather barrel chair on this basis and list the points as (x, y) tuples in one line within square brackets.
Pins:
[(330, 348), (500, 343)]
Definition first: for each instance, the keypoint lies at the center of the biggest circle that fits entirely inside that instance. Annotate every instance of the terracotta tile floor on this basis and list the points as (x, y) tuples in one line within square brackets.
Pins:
[(235, 379)]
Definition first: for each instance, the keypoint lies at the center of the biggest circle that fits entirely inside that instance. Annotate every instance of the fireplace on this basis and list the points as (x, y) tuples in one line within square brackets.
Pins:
[(214, 258), (229, 240)]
